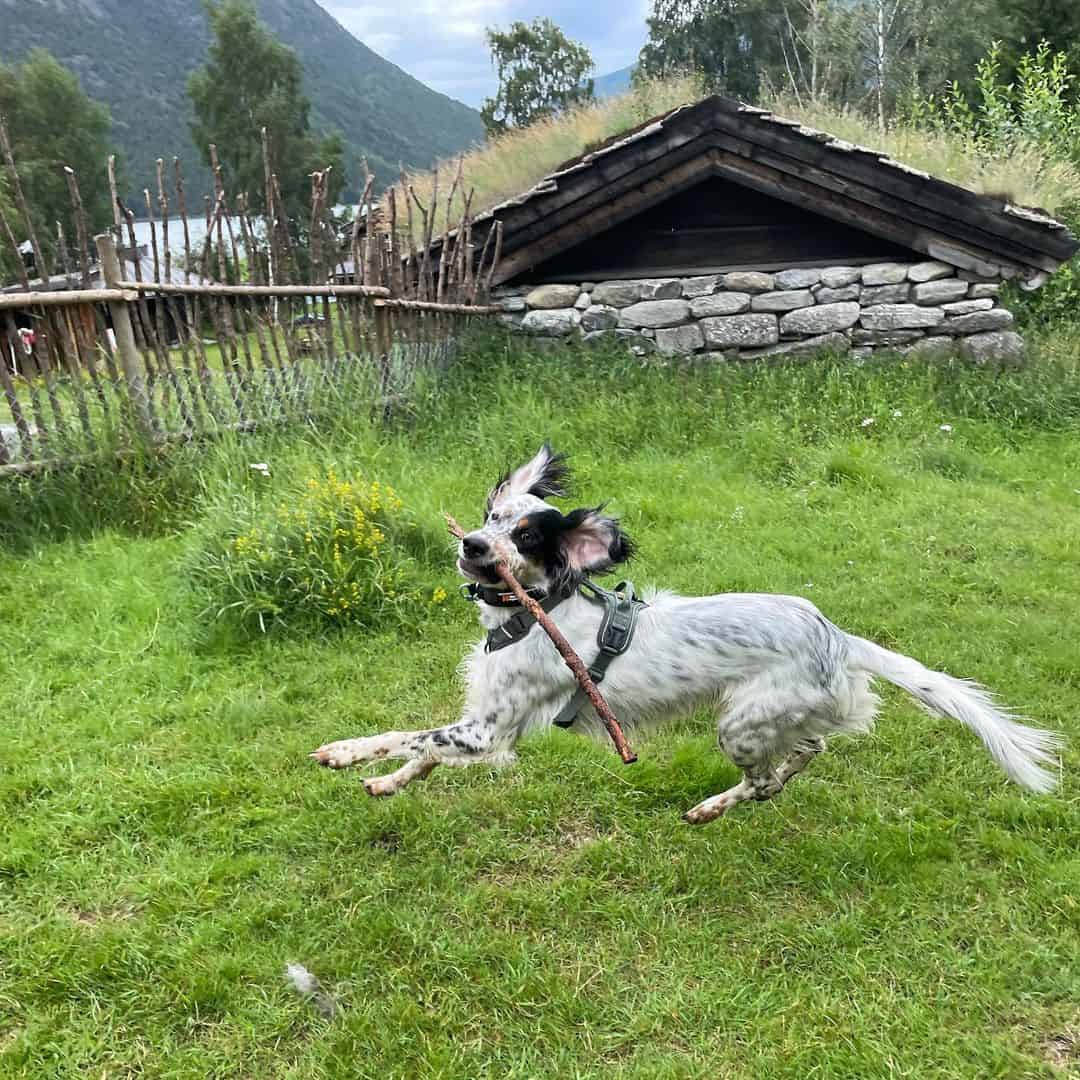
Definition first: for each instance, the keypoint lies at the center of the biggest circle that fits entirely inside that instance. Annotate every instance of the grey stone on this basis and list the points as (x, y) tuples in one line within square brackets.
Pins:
[(827, 295), (551, 323), (588, 286), (884, 274), (929, 271), (836, 277), (654, 313), (511, 303), (740, 331), (805, 347), (647, 332), (617, 293), (661, 288), (885, 294), (786, 300), (968, 275), (583, 301), (863, 352), (1003, 345), (821, 319), (722, 303), (751, 281), (981, 289), (511, 321), (930, 346), (680, 341), (885, 337), (978, 321), (900, 317), (699, 286), (545, 297), (939, 292), (796, 279), (719, 357), (966, 307), (637, 344), (599, 317)]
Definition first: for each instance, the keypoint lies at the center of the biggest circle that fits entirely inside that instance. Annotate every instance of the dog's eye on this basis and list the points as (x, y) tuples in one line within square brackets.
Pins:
[(528, 536)]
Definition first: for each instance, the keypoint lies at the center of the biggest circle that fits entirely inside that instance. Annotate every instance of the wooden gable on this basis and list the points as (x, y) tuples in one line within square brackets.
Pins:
[(672, 196), (717, 225)]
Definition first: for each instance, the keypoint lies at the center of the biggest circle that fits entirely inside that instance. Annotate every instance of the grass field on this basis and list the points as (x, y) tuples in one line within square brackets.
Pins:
[(900, 911)]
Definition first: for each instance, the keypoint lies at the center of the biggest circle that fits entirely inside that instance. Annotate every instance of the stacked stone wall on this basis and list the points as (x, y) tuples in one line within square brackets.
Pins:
[(905, 307)]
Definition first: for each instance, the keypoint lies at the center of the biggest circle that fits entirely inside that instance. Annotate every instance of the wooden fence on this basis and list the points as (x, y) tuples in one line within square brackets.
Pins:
[(173, 343)]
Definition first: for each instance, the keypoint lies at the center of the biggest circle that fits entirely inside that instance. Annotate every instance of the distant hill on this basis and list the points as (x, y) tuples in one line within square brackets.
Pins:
[(615, 82), (136, 57)]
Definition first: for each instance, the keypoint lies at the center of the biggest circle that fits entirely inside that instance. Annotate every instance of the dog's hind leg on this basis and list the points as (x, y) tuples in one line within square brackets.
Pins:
[(799, 758), (759, 782)]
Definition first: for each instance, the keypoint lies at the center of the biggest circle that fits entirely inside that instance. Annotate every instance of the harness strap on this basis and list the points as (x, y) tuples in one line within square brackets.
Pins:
[(517, 626), (616, 632)]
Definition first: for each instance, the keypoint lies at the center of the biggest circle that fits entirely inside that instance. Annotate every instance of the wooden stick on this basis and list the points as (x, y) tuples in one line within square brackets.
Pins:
[(566, 651)]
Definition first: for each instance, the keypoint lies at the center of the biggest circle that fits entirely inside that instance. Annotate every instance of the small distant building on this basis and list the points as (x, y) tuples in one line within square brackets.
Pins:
[(721, 230)]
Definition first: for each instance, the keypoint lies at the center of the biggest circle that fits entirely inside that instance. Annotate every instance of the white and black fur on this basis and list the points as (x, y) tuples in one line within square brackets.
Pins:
[(780, 677)]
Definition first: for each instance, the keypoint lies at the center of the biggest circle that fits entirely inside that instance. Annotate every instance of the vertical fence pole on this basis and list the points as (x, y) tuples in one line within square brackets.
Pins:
[(130, 362)]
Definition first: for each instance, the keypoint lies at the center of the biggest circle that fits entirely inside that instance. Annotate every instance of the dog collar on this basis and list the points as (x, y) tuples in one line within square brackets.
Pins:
[(517, 626), (493, 596)]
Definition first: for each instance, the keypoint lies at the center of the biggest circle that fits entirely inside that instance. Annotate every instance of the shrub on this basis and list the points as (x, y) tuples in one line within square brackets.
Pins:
[(322, 550)]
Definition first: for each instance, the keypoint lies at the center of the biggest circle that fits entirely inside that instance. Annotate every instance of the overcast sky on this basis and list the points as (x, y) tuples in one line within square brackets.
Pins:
[(442, 43)]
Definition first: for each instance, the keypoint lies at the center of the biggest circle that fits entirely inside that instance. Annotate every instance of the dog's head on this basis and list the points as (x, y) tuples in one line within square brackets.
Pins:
[(543, 547)]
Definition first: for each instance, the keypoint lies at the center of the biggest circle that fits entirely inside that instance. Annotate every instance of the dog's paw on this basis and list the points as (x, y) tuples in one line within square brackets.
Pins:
[(710, 809), (346, 752), (381, 786)]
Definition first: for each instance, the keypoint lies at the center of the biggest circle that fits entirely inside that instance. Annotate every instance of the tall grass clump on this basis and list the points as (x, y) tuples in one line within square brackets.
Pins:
[(317, 550)]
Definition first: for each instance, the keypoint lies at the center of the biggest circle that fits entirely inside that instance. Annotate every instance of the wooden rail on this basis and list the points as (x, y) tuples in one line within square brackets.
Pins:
[(20, 300)]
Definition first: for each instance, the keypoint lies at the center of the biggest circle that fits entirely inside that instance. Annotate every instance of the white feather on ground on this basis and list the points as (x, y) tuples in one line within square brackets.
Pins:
[(307, 986)]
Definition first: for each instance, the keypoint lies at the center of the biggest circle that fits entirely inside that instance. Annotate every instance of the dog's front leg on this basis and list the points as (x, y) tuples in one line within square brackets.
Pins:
[(472, 740)]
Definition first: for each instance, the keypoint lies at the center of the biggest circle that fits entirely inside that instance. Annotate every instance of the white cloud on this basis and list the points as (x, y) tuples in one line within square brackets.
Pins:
[(442, 42)]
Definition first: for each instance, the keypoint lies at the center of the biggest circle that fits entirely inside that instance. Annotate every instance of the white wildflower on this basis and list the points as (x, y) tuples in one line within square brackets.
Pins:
[(867, 421), (897, 414), (946, 428), (260, 467)]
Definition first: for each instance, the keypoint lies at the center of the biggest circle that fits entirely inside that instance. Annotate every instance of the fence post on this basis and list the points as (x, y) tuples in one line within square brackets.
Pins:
[(127, 350)]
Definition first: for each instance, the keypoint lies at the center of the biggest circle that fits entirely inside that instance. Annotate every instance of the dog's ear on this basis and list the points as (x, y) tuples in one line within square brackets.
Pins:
[(592, 542), (544, 476)]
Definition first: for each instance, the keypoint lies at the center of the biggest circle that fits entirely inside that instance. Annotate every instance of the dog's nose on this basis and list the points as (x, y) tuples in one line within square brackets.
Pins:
[(474, 547)]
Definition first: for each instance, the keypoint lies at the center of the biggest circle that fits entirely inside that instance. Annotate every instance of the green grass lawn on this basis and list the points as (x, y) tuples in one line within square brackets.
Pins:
[(899, 911)]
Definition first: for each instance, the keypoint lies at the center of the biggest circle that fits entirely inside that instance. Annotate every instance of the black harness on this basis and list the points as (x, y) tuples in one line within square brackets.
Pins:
[(616, 631)]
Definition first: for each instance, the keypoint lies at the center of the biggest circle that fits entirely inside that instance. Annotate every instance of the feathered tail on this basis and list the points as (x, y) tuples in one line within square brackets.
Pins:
[(1020, 750)]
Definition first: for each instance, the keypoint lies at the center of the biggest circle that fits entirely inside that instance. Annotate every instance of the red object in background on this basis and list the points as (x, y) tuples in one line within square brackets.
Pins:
[(28, 337)]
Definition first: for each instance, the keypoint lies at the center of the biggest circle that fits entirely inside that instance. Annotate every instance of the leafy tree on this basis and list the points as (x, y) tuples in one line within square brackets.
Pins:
[(251, 80), (541, 72), (52, 124), (731, 43)]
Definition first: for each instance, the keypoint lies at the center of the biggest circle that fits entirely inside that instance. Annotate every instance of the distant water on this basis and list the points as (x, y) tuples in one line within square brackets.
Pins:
[(196, 230)]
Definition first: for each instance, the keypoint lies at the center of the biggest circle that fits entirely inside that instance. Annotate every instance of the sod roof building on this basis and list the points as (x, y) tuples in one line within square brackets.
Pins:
[(722, 230)]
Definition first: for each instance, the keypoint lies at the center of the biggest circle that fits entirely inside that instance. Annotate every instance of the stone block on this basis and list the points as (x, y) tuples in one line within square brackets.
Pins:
[(721, 303), (885, 294), (805, 347), (825, 294), (1002, 346), (637, 344), (551, 323), (939, 292), (796, 279), (978, 322), (654, 314), (884, 274), (837, 277), (751, 281), (783, 300), (900, 317), (966, 307), (699, 286), (821, 319), (546, 297), (661, 288), (599, 317), (929, 271), (680, 340), (981, 289), (740, 331), (617, 293), (885, 337)]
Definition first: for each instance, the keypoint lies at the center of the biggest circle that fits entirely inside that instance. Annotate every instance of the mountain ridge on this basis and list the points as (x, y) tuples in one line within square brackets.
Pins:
[(136, 59)]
